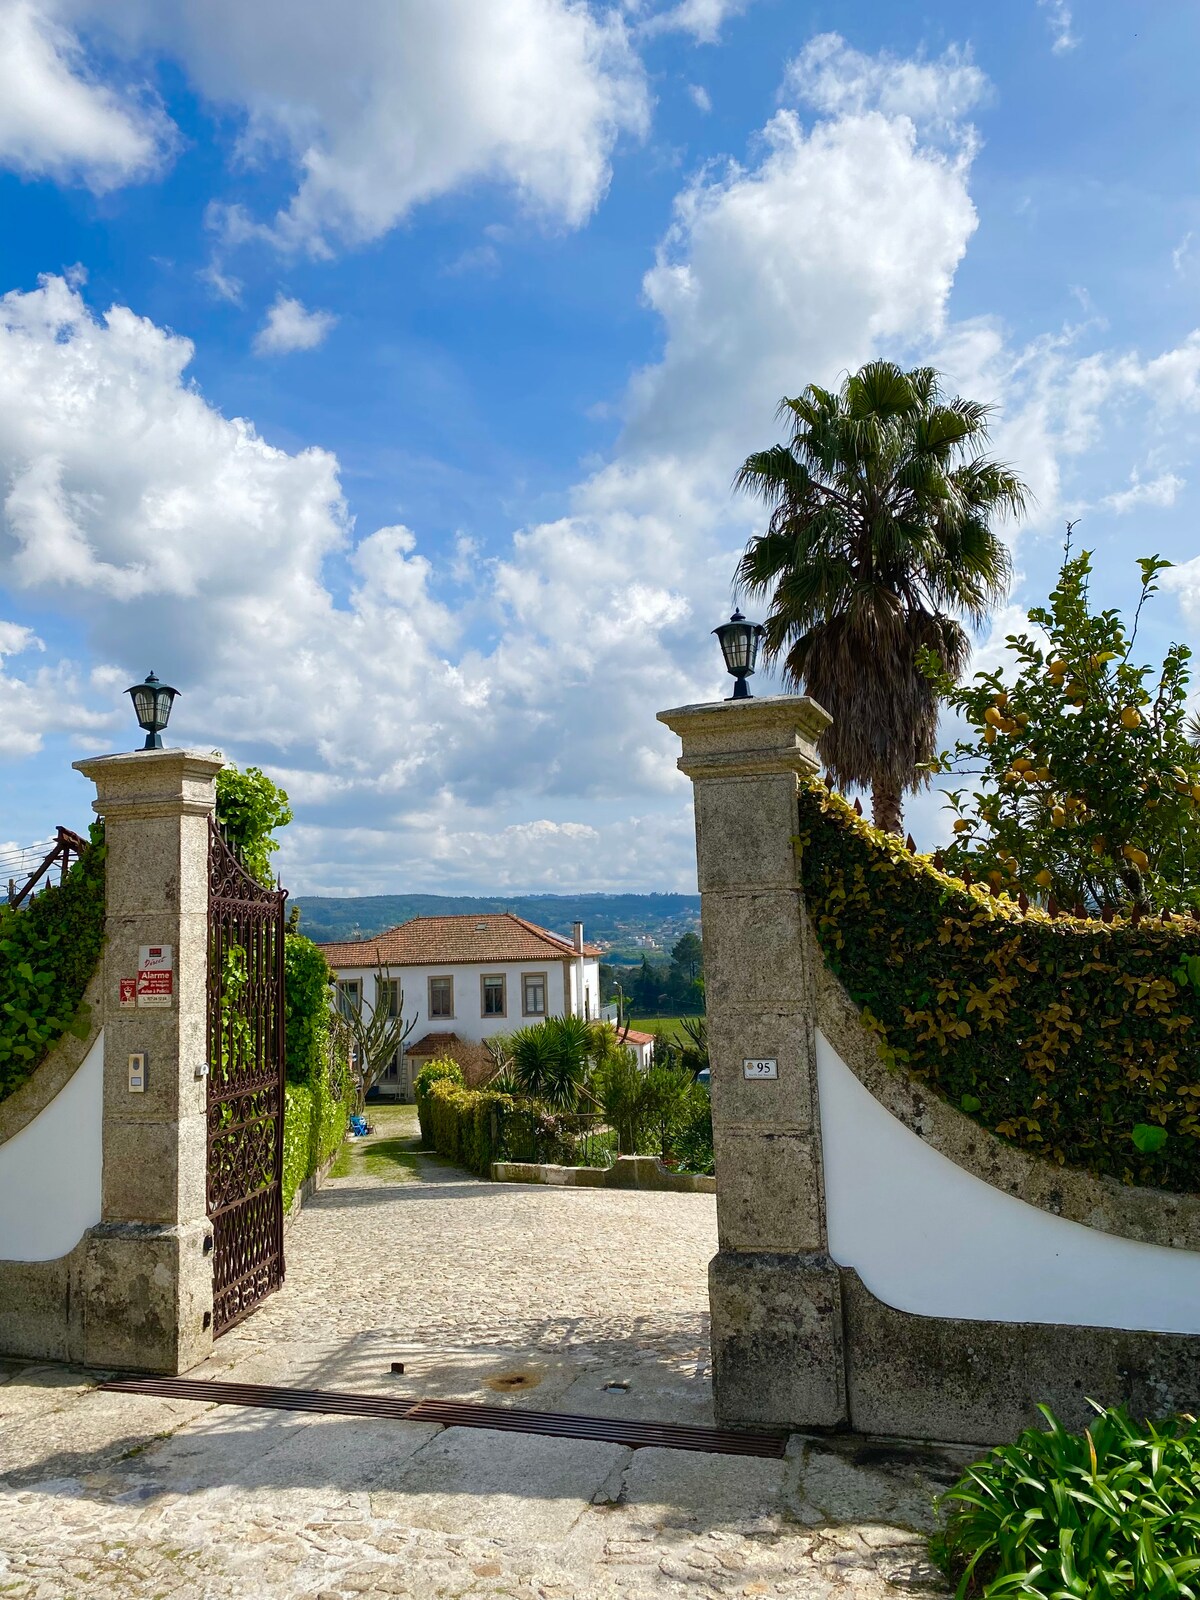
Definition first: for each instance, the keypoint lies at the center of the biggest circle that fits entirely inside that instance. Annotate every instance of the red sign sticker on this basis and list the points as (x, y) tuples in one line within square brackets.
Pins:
[(128, 992), (156, 975)]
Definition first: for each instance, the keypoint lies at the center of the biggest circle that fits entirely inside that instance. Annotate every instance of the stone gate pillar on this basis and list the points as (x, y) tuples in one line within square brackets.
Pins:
[(776, 1335), (148, 1276)]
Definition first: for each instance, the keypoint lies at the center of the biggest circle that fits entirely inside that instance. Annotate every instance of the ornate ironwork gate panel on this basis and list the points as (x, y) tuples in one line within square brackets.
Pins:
[(245, 1084)]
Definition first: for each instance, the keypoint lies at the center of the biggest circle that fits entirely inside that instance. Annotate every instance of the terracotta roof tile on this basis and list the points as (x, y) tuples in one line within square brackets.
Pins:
[(493, 936), (433, 1044)]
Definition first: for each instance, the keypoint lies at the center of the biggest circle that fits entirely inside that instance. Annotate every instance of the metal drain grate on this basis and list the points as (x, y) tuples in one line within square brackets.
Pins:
[(460, 1414)]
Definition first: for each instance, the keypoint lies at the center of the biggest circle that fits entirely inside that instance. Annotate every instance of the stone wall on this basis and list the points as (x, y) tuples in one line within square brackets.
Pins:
[(798, 1340)]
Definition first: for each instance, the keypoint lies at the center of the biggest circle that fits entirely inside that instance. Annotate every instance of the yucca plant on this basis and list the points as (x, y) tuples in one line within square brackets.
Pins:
[(549, 1061), (1112, 1511)]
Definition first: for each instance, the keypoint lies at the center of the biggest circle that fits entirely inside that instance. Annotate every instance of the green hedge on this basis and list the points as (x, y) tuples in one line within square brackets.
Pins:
[(48, 953), (314, 1125), (319, 1090), (1078, 1040), (441, 1070), (467, 1125)]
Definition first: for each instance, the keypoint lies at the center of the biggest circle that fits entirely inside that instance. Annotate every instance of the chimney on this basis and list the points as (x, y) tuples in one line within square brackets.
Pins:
[(577, 937)]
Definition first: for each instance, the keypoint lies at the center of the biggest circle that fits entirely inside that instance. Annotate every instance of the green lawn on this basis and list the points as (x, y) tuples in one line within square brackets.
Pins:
[(389, 1152), (671, 1026)]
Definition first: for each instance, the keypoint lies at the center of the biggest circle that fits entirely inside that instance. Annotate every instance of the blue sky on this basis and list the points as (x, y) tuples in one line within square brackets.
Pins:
[(381, 384)]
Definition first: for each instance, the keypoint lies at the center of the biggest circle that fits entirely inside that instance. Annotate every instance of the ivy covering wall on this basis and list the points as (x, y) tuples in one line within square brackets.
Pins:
[(48, 953), (1077, 1040), (319, 1091)]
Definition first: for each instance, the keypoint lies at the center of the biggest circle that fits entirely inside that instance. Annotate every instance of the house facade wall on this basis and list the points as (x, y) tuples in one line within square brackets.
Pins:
[(468, 1020)]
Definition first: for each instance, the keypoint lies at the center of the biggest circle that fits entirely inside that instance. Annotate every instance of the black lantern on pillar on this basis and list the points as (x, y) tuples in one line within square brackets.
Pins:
[(152, 702), (739, 645)]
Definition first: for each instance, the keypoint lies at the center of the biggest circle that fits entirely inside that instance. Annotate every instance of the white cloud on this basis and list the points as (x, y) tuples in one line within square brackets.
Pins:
[(840, 239), (1058, 19), (1159, 492), (703, 19), (396, 104), (56, 120), (700, 97), (222, 284), (127, 486), (1067, 414), (837, 80), (289, 326)]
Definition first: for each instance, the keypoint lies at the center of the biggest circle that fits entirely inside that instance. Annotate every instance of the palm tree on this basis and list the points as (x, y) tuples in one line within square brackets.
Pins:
[(880, 536)]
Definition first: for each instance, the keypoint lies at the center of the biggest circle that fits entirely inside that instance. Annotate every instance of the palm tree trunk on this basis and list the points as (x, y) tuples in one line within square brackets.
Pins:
[(885, 805)]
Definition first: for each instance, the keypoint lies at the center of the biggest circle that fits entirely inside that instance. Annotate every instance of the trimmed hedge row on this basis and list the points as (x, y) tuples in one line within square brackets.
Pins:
[(48, 953), (1078, 1040), (319, 1089), (314, 1125), (467, 1125)]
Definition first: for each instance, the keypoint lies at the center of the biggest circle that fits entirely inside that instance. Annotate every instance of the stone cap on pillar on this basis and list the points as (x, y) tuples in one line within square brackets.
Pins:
[(738, 738), (154, 783)]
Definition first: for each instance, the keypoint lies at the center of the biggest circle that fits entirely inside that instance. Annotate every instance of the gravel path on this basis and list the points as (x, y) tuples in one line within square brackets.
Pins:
[(569, 1300)]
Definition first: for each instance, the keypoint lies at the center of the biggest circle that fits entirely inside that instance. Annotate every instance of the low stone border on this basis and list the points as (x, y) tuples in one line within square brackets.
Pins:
[(626, 1172), (309, 1188)]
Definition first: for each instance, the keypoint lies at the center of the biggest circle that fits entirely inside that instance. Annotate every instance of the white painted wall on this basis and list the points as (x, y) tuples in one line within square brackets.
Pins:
[(50, 1171), (468, 1021), (926, 1236)]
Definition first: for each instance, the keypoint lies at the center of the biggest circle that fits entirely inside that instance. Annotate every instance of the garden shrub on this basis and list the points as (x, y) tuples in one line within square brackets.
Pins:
[(308, 1008), (1076, 1039), (318, 1098), (48, 953), (1112, 1511), (692, 1144), (314, 1123), (467, 1125), (432, 1072)]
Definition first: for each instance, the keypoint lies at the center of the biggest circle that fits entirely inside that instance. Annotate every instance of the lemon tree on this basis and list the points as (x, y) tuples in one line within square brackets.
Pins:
[(1088, 790)]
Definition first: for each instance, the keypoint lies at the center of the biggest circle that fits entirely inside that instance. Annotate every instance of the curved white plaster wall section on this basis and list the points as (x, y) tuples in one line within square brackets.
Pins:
[(927, 1237), (50, 1170)]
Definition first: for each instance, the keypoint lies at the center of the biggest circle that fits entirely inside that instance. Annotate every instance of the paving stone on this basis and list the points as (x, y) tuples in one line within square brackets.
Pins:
[(466, 1283)]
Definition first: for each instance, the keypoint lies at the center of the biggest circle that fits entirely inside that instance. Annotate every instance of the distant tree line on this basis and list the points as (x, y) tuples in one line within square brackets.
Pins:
[(660, 988)]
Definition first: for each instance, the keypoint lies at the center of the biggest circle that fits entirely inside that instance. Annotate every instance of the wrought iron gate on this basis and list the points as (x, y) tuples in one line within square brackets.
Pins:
[(245, 1084)]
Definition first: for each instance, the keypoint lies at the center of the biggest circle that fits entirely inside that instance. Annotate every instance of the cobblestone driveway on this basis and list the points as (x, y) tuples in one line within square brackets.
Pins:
[(586, 1300)]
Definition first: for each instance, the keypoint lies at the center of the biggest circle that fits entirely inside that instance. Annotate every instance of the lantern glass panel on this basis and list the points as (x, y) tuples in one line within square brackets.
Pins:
[(162, 707), (144, 704), (735, 643)]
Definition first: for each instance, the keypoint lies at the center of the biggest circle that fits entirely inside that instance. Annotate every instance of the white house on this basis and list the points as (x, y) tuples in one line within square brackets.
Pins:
[(465, 978)]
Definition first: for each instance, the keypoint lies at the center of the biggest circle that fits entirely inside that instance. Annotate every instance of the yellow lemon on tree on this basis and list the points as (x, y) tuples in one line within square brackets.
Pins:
[(1131, 718), (1136, 857), (989, 734), (1044, 878), (993, 716), (1098, 845), (1058, 816), (1022, 764), (961, 825)]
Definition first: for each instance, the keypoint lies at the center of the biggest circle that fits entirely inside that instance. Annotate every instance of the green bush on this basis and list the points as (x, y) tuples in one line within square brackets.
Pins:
[(467, 1125), (432, 1072), (1113, 1511), (249, 808), (692, 1144), (1075, 1038), (314, 1124), (308, 1008), (48, 953)]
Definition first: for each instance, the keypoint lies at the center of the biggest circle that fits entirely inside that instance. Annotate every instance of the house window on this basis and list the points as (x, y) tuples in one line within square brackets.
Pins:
[(349, 996), (441, 997), (494, 1000), (533, 994), (388, 994)]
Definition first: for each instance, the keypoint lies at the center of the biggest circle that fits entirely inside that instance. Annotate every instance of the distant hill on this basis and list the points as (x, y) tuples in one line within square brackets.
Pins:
[(621, 922)]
